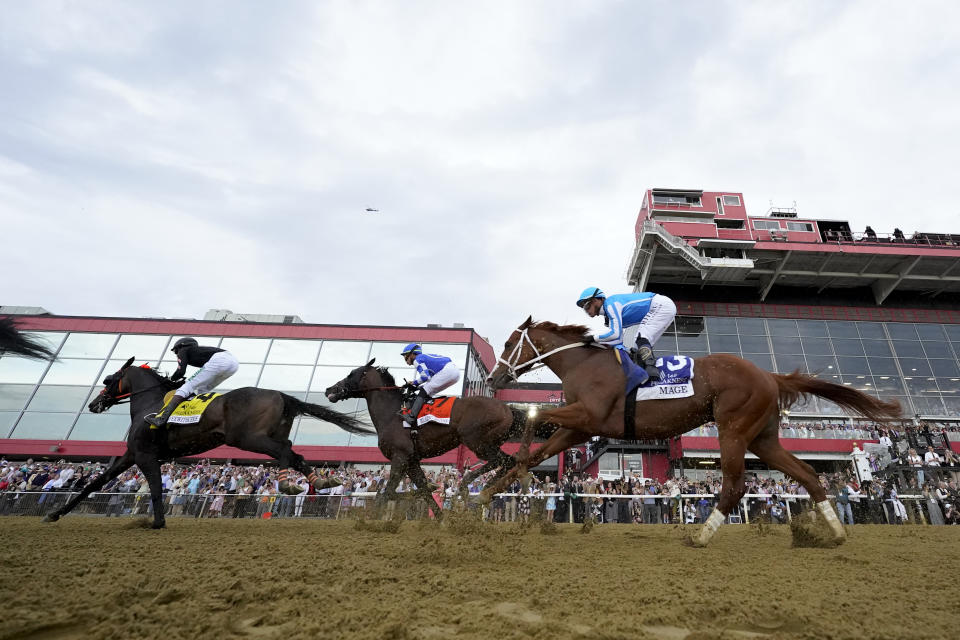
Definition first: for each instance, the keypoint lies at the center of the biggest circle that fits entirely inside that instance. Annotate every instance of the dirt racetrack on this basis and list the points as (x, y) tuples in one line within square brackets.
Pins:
[(94, 578)]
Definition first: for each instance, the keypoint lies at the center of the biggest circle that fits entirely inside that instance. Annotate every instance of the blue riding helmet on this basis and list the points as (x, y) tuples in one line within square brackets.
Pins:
[(413, 348), (589, 294)]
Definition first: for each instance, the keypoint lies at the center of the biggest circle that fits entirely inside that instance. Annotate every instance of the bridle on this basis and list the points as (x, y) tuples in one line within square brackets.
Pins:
[(109, 399), (513, 366), (357, 392)]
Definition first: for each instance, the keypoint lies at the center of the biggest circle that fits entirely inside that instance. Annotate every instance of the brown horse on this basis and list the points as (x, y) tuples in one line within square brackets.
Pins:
[(248, 418), (481, 424), (743, 399)]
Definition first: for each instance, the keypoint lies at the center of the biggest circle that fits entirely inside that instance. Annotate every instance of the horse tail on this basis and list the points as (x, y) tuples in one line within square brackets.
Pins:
[(13, 341), (296, 407), (795, 386)]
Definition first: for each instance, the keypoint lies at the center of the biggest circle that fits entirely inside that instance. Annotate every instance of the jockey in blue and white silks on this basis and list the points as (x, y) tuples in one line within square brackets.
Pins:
[(434, 374), (641, 316)]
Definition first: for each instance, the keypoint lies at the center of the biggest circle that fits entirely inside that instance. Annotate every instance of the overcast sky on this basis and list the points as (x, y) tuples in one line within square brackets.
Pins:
[(165, 158)]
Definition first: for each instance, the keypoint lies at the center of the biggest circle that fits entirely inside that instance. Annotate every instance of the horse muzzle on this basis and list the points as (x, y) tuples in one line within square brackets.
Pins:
[(334, 393)]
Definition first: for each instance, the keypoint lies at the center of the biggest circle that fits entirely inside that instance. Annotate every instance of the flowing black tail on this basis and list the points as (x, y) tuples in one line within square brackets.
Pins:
[(296, 407), (12, 341)]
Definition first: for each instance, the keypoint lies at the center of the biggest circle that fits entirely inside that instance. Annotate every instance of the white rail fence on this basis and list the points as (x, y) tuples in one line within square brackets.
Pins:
[(326, 506)]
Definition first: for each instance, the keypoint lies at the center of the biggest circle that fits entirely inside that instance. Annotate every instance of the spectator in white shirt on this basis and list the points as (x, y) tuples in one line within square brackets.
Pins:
[(931, 458)]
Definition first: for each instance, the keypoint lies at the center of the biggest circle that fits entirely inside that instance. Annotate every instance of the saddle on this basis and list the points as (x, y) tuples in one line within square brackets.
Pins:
[(676, 381), (436, 410)]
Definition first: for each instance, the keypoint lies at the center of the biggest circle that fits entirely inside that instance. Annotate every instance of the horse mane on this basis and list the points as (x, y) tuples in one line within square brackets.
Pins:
[(572, 331), (386, 376)]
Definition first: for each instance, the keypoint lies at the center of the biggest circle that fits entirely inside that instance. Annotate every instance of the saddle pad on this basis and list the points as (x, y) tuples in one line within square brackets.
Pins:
[(676, 379), (191, 410), (437, 411)]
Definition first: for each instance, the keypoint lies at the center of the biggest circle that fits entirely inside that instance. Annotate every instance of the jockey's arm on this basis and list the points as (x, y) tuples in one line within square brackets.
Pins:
[(181, 368), (615, 334), (422, 374)]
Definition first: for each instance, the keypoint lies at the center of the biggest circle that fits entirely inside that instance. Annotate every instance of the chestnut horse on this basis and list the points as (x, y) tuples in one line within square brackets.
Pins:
[(481, 424), (744, 400)]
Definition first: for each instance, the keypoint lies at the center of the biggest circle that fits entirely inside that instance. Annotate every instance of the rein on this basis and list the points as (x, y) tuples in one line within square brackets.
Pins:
[(125, 398), (512, 365)]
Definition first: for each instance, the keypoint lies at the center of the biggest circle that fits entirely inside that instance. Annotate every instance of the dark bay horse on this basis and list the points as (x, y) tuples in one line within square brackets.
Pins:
[(14, 342), (252, 419), (743, 399), (481, 424)]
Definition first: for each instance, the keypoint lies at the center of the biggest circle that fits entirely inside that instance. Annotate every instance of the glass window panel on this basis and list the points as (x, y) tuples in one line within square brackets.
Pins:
[(78, 372), (144, 348), (724, 344), (931, 332), (786, 345), (844, 347), (945, 368), (293, 352), (821, 364), (666, 345), (695, 354), (695, 325), (102, 426), (877, 348), (722, 325), (691, 342), (325, 377), (20, 370), (804, 405), (817, 346), (872, 330), (921, 385), (908, 349), (169, 357), (783, 327), (812, 328), (937, 349), (246, 376), (902, 331), (344, 352), (57, 398), (317, 432), (862, 383), (387, 354), (890, 385), (928, 406), (841, 329), (789, 363), (285, 376), (51, 339), (849, 365), (754, 344), (953, 331), (456, 352), (751, 326), (762, 360), (7, 418), (43, 426), (14, 397), (883, 366), (915, 367), (88, 345), (357, 440), (244, 349), (952, 405)]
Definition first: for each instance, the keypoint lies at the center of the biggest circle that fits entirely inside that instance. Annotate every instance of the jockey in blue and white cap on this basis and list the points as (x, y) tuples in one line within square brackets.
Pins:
[(434, 374), (642, 315)]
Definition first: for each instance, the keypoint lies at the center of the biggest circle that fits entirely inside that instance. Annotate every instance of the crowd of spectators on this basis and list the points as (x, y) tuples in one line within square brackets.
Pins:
[(208, 490)]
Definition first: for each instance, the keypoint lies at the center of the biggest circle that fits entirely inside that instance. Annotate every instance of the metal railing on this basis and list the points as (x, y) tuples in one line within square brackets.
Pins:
[(569, 507)]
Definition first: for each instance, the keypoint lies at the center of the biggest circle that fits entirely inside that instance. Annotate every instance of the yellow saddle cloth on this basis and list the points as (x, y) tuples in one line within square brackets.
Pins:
[(191, 410)]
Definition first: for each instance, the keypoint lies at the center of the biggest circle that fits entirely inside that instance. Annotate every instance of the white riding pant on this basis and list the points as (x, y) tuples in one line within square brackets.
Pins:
[(218, 368), (661, 314), (443, 379)]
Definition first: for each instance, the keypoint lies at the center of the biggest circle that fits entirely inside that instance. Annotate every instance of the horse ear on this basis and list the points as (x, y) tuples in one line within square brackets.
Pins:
[(527, 322), (372, 360), (128, 363)]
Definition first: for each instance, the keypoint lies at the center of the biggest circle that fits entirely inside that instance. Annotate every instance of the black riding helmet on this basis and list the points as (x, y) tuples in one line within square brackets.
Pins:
[(183, 343)]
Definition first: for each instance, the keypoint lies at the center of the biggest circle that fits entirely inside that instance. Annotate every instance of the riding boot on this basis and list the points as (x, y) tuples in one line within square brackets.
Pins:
[(411, 417), (160, 419), (648, 360)]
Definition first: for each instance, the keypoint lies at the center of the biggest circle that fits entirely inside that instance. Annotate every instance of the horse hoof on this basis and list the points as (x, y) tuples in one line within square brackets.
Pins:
[(51, 518), (159, 525)]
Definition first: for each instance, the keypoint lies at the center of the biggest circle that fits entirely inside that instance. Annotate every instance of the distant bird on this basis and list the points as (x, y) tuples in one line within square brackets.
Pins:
[(372, 210)]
